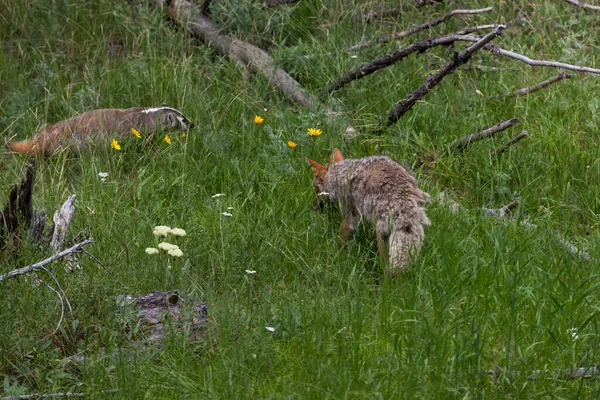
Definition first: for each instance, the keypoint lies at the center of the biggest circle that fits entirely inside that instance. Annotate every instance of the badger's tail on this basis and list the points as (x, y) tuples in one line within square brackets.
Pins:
[(24, 147)]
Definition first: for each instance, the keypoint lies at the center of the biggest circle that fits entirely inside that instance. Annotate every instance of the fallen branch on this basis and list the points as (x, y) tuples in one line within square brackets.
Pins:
[(506, 145), (571, 373), (502, 211), (39, 265), (415, 28), (397, 56), (495, 49), (249, 55), (455, 207), (583, 5), (461, 143), (432, 80)]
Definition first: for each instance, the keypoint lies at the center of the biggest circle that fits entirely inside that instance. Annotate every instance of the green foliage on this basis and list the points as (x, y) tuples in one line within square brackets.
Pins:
[(483, 294)]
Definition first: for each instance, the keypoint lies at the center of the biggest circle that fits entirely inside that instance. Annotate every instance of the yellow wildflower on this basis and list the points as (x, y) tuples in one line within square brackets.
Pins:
[(167, 139), (135, 133), (292, 144), (314, 131), (258, 119), (115, 144)]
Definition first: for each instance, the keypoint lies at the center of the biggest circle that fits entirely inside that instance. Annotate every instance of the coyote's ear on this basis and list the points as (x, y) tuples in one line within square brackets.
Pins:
[(317, 168), (336, 156)]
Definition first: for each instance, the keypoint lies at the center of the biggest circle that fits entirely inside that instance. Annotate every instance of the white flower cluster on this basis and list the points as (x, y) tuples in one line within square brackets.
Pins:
[(162, 230), (103, 176), (172, 249)]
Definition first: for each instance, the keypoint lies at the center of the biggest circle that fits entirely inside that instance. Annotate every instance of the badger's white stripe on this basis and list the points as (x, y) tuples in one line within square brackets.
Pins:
[(155, 109)]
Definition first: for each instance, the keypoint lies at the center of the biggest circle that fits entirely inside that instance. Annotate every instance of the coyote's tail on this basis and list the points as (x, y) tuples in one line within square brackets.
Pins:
[(404, 243), (24, 147)]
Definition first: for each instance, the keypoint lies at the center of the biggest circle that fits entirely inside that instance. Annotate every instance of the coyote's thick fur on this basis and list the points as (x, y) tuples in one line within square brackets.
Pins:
[(381, 190), (77, 132)]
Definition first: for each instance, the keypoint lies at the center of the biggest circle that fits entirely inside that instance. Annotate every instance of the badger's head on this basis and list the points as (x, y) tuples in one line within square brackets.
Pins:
[(170, 118)]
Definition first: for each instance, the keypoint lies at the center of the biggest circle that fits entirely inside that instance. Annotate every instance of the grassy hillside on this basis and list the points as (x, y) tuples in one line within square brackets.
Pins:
[(485, 293)]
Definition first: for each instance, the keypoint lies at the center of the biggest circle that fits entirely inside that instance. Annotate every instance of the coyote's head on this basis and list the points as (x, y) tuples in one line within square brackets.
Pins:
[(320, 171), (170, 118)]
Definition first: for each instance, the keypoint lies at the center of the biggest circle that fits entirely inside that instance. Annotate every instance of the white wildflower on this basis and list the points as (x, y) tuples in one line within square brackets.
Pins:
[(151, 250), (175, 252), (103, 176), (178, 232), (354, 56), (323, 194), (573, 333), (265, 109), (167, 246), (270, 328), (214, 196), (161, 230), (227, 214), (250, 271)]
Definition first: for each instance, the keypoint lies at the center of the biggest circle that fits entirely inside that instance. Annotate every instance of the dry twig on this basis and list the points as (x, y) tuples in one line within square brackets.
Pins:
[(461, 143), (432, 80), (506, 145), (398, 55), (583, 5), (495, 49), (39, 265), (415, 28)]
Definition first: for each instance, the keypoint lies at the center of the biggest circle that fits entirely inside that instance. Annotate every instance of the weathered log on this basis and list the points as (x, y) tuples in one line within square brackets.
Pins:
[(202, 27)]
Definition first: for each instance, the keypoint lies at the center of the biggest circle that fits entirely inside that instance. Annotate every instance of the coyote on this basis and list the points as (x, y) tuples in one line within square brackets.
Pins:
[(379, 189), (77, 132)]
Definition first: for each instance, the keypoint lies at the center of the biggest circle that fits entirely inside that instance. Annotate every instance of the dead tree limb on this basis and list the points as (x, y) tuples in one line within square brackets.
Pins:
[(462, 143), (495, 49), (506, 145), (249, 55), (397, 56), (432, 80), (62, 219), (416, 28), (583, 5), (39, 265)]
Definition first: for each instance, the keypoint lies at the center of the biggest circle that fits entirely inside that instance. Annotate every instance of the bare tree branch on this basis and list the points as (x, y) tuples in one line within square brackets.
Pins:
[(506, 145), (415, 28), (432, 80), (495, 49), (463, 142), (583, 5), (41, 264), (398, 55), (203, 28)]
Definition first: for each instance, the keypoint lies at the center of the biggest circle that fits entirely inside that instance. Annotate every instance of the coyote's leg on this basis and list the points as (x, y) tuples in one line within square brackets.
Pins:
[(382, 245), (347, 226)]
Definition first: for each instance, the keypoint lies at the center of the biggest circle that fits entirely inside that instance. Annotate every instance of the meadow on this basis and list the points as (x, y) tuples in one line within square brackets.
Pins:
[(485, 293)]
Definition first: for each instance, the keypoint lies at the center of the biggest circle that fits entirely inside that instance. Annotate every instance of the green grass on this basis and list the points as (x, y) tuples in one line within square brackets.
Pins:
[(483, 294)]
